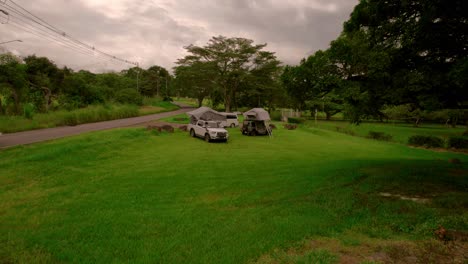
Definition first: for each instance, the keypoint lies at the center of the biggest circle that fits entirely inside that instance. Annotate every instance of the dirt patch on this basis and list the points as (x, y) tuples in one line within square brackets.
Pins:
[(290, 126), (454, 161), (159, 124), (416, 199), (375, 251), (161, 128)]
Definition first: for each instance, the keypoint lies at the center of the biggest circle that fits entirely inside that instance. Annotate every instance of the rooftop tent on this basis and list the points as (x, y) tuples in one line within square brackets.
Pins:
[(259, 114), (205, 113)]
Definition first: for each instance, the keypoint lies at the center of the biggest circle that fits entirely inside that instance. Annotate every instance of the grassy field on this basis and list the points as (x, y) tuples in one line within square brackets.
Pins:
[(177, 119), (130, 195), (94, 113), (400, 132)]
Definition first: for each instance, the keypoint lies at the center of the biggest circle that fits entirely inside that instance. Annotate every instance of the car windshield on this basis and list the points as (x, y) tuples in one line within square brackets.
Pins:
[(212, 124)]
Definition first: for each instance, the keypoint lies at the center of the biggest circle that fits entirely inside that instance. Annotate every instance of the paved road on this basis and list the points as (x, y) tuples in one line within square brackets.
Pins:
[(33, 136)]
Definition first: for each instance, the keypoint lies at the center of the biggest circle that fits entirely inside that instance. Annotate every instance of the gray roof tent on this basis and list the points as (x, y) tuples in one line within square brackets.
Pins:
[(258, 114), (205, 113)]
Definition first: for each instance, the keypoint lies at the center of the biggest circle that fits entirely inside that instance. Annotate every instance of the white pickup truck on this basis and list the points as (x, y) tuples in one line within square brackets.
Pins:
[(208, 130)]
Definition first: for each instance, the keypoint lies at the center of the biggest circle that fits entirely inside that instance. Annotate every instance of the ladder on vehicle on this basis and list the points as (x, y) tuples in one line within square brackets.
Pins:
[(268, 129)]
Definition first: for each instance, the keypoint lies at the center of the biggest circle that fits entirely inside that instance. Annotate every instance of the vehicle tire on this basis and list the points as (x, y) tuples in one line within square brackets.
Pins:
[(233, 125), (192, 133), (207, 138), (253, 133)]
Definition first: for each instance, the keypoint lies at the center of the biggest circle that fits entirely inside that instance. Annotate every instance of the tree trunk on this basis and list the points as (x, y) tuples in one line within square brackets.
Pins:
[(2, 109), (200, 101), (47, 97), (327, 115), (16, 99)]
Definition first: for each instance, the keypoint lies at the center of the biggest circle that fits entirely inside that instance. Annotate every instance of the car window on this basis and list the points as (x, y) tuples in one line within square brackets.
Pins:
[(231, 117), (200, 123), (212, 125)]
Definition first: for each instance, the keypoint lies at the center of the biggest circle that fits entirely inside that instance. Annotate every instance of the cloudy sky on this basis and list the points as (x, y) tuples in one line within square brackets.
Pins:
[(156, 31)]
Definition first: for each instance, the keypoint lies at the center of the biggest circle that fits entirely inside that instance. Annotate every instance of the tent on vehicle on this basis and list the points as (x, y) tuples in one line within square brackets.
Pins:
[(256, 122), (205, 113), (258, 114)]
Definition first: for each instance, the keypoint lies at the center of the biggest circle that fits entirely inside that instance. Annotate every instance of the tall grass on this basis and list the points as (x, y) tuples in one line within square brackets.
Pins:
[(95, 113), (90, 114)]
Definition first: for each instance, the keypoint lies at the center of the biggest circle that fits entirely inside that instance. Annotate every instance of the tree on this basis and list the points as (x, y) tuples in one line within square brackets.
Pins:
[(196, 79), (428, 44), (156, 79), (233, 60), (13, 79), (312, 79), (364, 74), (44, 76)]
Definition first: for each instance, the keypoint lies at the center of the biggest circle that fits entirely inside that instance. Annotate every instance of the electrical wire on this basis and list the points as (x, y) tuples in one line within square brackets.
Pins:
[(27, 21)]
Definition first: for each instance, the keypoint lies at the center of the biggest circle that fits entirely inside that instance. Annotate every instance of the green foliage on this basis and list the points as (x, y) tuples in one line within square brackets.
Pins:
[(426, 141), (275, 115), (296, 120), (379, 136), (426, 42), (226, 67), (28, 111), (458, 142), (129, 96)]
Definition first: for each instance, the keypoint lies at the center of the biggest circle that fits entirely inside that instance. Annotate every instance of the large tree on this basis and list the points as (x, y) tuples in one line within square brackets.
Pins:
[(13, 81), (233, 59), (197, 80), (428, 45)]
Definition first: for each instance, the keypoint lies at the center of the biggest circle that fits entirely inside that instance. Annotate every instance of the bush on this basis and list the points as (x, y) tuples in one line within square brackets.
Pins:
[(458, 142), (275, 115), (379, 136), (28, 111), (426, 141), (129, 96), (70, 119), (295, 120)]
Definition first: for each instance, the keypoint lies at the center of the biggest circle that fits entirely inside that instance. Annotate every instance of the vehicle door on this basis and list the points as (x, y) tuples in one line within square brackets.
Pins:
[(200, 128)]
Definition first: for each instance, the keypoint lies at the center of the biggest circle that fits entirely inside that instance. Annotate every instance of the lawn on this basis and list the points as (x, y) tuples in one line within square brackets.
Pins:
[(400, 132), (131, 195)]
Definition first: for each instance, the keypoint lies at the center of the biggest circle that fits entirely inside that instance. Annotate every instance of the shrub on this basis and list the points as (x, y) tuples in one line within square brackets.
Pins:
[(28, 111), (275, 115), (426, 141), (290, 127), (458, 142), (295, 120), (379, 136), (129, 96), (70, 119)]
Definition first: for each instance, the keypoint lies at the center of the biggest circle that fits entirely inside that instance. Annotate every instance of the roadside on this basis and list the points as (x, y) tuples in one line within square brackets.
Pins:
[(33, 136)]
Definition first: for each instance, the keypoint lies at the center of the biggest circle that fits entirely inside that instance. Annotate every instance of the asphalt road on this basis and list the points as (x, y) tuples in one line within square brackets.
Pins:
[(33, 136)]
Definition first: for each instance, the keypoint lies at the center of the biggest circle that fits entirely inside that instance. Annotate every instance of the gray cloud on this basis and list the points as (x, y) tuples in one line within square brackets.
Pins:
[(155, 31)]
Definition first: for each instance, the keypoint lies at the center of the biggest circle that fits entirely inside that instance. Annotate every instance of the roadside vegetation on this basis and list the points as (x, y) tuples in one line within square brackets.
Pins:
[(172, 198), (88, 114)]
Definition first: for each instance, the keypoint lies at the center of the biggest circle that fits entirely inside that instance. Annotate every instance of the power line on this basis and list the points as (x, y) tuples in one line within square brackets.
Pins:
[(51, 32)]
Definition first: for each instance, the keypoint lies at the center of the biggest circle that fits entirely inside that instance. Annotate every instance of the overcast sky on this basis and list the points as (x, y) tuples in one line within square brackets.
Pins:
[(156, 31)]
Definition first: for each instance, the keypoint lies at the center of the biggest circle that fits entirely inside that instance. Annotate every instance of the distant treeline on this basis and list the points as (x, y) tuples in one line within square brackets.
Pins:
[(37, 82)]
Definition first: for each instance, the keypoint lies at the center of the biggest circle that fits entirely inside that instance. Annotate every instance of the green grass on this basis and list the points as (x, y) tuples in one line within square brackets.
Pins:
[(93, 113), (178, 119), (128, 195), (400, 132)]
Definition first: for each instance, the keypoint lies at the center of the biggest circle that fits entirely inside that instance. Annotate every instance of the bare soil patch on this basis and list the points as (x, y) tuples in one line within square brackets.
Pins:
[(376, 251)]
